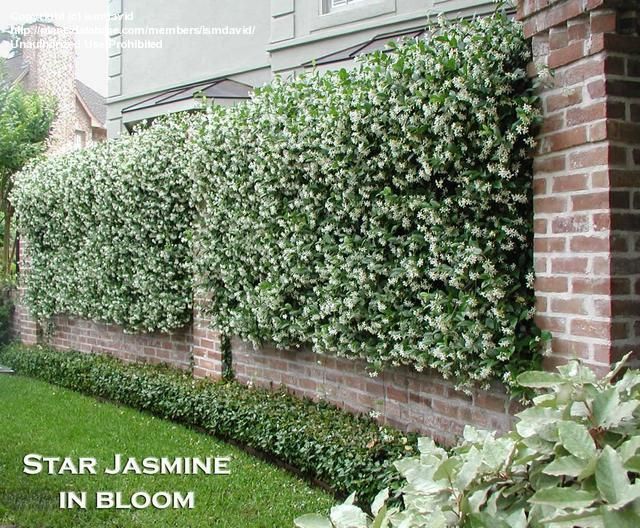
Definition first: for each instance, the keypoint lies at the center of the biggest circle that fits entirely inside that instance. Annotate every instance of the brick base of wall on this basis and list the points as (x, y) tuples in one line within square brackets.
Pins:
[(408, 400), (23, 326), (411, 401), (70, 333)]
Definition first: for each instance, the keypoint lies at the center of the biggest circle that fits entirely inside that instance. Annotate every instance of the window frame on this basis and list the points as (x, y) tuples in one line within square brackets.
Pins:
[(79, 139), (328, 7), (353, 11)]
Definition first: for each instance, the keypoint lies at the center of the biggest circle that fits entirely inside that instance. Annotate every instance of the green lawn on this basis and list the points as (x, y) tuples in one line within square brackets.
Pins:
[(36, 417)]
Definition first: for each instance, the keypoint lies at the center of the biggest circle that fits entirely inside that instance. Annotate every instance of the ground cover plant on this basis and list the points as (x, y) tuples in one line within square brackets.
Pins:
[(381, 213), (573, 460), (344, 451), (36, 417)]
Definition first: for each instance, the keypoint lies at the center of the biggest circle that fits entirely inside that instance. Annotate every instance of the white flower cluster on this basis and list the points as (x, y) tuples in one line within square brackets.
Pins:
[(107, 230), (382, 213)]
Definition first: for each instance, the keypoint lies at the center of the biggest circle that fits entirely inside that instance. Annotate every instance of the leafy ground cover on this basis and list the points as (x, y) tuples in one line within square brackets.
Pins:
[(36, 417), (344, 451)]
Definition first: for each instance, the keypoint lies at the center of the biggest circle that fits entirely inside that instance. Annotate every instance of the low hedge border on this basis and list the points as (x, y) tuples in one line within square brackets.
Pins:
[(344, 451)]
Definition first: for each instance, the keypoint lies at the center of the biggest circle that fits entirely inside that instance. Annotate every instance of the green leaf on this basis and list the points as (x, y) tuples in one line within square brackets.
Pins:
[(497, 453), (477, 499), (626, 518), (484, 520), (381, 519), (379, 500), (611, 477), (629, 448), (517, 519), (589, 518), (622, 412), (473, 435), (427, 446), (539, 422), (576, 439), (570, 466), (468, 470), (348, 516), (604, 404), (617, 368), (447, 470), (312, 520), (576, 373), (350, 499), (564, 498), (539, 379), (633, 464)]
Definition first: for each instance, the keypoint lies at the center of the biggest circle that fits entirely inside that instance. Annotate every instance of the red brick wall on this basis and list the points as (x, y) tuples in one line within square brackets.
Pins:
[(24, 327), (207, 349), (71, 333), (406, 399), (586, 180)]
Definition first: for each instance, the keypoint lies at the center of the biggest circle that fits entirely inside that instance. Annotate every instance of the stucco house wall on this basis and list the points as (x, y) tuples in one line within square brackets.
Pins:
[(276, 38)]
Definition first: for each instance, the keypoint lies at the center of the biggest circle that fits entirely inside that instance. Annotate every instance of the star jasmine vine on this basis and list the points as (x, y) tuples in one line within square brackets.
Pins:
[(107, 230), (381, 213)]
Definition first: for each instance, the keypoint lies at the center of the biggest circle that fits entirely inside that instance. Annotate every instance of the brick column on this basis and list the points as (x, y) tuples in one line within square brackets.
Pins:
[(206, 347), (587, 176), (23, 326)]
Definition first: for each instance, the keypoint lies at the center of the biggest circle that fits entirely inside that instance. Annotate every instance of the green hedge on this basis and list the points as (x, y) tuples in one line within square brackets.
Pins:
[(345, 451), (382, 213), (108, 230)]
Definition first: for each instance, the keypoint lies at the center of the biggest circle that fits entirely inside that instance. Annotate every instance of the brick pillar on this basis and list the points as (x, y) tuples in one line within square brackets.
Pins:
[(23, 326), (206, 347), (587, 176)]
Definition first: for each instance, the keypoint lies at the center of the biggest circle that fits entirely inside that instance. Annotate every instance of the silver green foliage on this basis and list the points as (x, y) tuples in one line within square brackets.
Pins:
[(108, 231), (573, 460)]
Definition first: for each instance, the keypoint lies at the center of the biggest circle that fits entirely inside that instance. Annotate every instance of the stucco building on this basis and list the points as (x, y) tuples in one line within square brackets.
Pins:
[(164, 53)]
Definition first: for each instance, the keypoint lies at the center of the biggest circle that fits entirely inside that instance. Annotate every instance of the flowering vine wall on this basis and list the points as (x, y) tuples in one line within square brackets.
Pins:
[(381, 213), (107, 230)]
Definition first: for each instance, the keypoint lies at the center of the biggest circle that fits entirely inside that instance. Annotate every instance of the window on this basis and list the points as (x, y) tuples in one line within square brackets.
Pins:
[(332, 13), (79, 139), (331, 6)]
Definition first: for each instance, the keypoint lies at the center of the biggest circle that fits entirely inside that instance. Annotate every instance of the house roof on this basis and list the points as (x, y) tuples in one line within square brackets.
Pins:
[(15, 68), (94, 103), (379, 42), (221, 88)]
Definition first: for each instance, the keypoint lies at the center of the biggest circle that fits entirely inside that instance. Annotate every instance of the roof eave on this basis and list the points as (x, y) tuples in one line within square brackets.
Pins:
[(95, 122)]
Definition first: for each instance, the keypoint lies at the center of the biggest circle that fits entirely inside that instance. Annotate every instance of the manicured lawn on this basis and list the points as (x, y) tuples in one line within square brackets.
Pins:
[(36, 417)]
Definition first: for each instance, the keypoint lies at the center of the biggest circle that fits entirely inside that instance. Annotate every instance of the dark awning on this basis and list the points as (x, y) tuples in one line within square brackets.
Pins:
[(379, 42), (186, 96)]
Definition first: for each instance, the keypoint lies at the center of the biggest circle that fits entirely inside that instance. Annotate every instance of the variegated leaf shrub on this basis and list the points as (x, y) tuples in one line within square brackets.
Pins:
[(381, 213), (108, 231), (573, 460)]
